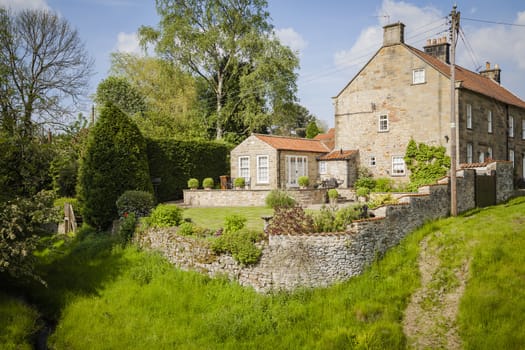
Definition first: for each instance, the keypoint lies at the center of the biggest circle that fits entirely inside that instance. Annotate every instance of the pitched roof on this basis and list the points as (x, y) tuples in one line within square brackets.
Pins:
[(472, 81), (293, 143), (327, 138), (338, 155)]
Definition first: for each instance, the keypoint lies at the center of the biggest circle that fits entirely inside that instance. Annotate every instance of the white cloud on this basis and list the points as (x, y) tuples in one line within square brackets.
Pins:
[(24, 4), (128, 42), (292, 39), (418, 20)]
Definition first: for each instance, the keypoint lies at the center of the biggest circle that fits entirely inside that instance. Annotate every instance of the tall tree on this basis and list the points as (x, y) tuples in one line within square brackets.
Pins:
[(119, 91), (47, 68), (224, 40)]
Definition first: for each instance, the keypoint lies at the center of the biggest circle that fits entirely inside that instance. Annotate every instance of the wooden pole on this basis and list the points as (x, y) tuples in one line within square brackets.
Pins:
[(454, 16)]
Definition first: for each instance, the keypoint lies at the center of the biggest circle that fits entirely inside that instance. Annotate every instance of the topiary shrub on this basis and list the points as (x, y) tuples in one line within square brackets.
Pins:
[(207, 182), (139, 203), (332, 193), (193, 183), (114, 161), (239, 182), (303, 181), (165, 215), (278, 198)]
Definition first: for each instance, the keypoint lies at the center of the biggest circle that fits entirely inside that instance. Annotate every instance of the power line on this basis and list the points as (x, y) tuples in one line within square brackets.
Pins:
[(492, 22)]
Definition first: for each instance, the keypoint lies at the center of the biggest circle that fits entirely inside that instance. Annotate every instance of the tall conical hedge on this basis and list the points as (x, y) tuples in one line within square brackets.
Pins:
[(115, 160)]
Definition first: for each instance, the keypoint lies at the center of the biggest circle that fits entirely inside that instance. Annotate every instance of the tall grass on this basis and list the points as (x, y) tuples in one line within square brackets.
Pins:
[(17, 323)]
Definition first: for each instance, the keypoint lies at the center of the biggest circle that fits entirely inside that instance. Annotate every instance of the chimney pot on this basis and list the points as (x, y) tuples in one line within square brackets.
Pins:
[(487, 65), (496, 66)]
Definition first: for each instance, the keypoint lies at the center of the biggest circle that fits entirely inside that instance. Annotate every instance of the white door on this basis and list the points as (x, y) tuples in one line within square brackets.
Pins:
[(296, 166)]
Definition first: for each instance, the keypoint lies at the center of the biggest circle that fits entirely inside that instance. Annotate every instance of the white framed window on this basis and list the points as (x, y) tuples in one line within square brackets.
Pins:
[(322, 167), (489, 122), (469, 153), (244, 167), (418, 76), (263, 170), (481, 157), (398, 166), (511, 156), (372, 161), (523, 129), (511, 126), (296, 166), (382, 125), (469, 116), (489, 152)]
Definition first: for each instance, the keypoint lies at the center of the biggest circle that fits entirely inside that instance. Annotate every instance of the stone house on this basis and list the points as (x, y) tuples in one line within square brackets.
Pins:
[(403, 93), (269, 162)]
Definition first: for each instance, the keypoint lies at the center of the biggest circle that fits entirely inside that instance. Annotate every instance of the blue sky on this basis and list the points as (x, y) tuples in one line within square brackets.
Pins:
[(334, 38)]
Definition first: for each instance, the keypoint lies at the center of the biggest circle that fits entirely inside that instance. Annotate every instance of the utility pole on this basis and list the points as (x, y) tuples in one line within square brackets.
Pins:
[(454, 28)]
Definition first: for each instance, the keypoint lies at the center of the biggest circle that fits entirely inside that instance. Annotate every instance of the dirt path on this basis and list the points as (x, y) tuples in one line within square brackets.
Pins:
[(430, 317)]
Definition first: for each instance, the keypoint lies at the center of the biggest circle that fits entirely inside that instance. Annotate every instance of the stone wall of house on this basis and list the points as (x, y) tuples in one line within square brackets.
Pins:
[(314, 260), (248, 198)]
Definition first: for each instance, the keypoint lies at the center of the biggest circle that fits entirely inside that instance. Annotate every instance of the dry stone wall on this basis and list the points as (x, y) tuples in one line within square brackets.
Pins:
[(317, 260)]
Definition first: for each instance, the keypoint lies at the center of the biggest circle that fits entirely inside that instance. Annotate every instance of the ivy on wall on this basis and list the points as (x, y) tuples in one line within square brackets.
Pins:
[(426, 163)]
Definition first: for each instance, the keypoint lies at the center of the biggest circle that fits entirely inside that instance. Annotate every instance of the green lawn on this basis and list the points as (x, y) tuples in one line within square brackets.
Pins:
[(106, 296), (213, 218)]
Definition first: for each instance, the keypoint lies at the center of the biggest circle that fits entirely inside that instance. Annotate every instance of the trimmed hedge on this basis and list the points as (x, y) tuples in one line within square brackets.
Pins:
[(175, 161)]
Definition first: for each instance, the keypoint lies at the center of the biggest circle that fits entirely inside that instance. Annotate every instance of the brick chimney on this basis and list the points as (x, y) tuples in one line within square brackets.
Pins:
[(438, 48), (492, 73), (393, 34)]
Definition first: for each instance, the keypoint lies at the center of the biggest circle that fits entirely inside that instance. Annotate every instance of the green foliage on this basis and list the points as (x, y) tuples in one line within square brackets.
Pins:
[(165, 215), (127, 226), (426, 163), (290, 221), (175, 161), (115, 161), (279, 198), (363, 192), (186, 229), (60, 202), (234, 223), (64, 170), (19, 323), (139, 203), (330, 219), (332, 193), (383, 199), (383, 184), (22, 221), (240, 244), (118, 91), (213, 217), (207, 182), (312, 130), (239, 182), (193, 183), (303, 181)]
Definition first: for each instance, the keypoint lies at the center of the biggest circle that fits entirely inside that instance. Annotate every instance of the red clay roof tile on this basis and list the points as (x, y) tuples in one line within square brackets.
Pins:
[(293, 143), (338, 155)]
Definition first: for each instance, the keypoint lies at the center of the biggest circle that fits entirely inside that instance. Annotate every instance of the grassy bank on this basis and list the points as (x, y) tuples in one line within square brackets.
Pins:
[(106, 296), (17, 323)]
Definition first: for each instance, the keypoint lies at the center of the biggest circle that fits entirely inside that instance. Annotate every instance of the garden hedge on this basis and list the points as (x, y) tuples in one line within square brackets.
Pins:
[(176, 161)]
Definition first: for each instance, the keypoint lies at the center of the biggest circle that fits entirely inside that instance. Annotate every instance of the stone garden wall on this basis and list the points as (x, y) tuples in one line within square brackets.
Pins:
[(316, 260)]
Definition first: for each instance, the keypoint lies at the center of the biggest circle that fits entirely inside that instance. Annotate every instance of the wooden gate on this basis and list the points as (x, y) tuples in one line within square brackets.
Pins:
[(485, 190)]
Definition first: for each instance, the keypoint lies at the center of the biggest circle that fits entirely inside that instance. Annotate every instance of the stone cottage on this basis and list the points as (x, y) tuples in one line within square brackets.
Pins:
[(401, 93)]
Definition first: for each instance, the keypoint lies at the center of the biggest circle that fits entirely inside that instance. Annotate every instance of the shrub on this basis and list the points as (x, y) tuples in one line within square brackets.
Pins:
[(278, 198), (332, 193), (139, 203), (207, 182), (193, 183), (335, 220), (303, 181), (292, 221), (165, 215), (234, 223), (426, 163), (127, 227), (115, 160), (240, 244), (239, 182), (382, 200), (362, 192), (185, 229), (383, 184)]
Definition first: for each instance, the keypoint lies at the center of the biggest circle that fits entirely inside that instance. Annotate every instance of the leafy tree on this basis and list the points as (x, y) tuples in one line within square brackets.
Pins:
[(292, 118), (426, 163), (312, 130), (119, 91), (230, 45), (45, 68), (115, 160)]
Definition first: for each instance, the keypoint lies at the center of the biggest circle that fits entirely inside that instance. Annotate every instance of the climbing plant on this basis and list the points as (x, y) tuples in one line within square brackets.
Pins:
[(426, 163)]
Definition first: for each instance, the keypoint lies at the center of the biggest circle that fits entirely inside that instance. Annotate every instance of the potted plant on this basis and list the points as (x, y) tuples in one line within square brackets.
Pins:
[(332, 196), (207, 183), (193, 184), (303, 181), (362, 194), (239, 182)]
